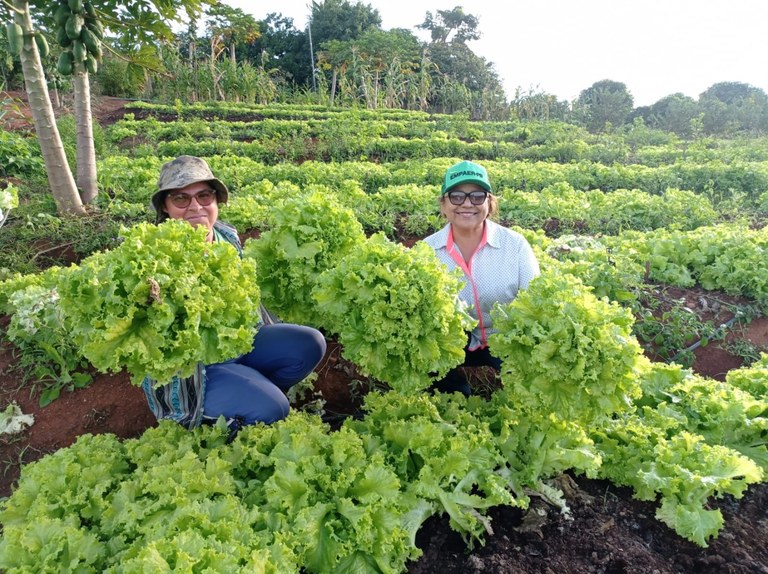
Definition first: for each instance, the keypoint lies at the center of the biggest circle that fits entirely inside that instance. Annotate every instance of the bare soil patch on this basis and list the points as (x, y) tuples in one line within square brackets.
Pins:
[(14, 110)]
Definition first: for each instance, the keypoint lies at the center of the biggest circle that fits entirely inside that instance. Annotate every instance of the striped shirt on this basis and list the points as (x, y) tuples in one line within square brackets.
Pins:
[(502, 264)]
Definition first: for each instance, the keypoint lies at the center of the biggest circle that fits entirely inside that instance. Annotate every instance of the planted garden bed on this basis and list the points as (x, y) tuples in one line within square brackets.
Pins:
[(606, 529)]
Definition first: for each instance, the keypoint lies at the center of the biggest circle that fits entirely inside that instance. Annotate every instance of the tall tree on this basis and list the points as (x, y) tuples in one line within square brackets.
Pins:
[(674, 113), (374, 60), (732, 107), (378, 49), (463, 26), (462, 80), (462, 75), (135, 19), (79, 32), (730, 93), (605, 103), (341, 20), (284, 47), (231, 26), (335, 56), (60, 178)]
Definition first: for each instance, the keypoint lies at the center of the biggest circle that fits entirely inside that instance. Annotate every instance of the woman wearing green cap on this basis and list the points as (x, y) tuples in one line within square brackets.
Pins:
[(250, 388), (497, 262)]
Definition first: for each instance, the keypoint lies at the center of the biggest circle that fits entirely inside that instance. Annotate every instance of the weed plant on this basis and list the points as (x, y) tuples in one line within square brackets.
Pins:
[(34, 237), (749, 352), (669, 329)]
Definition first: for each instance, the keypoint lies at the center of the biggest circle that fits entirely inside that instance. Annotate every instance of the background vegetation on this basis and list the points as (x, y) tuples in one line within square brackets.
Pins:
[(345, 58)]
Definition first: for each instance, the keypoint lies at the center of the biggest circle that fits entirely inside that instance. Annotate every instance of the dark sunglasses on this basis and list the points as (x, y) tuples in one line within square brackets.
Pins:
[(475, 197), (182, 200)]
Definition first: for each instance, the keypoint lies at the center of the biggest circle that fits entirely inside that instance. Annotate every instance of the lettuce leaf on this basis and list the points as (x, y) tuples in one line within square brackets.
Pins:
[(161, 301)]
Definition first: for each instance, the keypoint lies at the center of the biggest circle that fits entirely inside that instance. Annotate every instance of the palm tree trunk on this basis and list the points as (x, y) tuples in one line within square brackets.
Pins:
[(60, 178), (86, 152), (56, 101)]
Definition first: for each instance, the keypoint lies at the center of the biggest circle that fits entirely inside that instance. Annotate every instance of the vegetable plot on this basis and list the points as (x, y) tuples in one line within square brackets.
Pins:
[(577, 396), (295, 496), (161, 301), (396, 312)]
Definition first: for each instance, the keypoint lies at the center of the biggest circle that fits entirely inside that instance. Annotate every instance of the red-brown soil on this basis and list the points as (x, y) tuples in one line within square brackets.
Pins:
[(609, 532)]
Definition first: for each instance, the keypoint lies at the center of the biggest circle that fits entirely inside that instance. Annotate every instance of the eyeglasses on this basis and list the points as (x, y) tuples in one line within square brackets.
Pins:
[(182, 200), (475, 197)]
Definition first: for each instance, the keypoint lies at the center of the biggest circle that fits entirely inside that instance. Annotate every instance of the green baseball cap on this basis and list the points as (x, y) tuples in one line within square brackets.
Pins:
[(465, 172), (181, 172)]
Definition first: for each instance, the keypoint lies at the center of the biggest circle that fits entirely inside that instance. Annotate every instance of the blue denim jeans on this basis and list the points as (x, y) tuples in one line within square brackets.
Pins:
[(252, 387)]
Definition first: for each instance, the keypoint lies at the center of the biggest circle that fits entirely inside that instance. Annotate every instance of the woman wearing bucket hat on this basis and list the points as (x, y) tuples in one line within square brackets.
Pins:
[(496, 261), (250, 388)]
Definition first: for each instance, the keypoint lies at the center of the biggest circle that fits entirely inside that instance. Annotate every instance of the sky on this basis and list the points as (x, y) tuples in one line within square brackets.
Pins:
[(561, 47)]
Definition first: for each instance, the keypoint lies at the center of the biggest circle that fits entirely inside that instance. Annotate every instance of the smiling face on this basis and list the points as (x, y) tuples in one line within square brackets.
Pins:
[(465, 217), (195, 213)]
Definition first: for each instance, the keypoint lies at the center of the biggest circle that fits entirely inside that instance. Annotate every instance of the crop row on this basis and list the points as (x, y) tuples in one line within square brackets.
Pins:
[(720, 182), (537, 139), (339, 142)]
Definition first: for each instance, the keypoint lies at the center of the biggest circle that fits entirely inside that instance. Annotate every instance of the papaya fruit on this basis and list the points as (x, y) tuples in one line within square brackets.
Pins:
[(90, 40), (97, 53), (42, 45), (15, 38), (90, 11), (95, 27), (74, 26), (62, 39), (66, 62), (91, 64), (75, 6), (79, 51), (61, 14)]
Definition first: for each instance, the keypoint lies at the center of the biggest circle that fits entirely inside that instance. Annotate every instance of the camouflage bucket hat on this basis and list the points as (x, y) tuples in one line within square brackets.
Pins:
[(181, 172), (465, 172)]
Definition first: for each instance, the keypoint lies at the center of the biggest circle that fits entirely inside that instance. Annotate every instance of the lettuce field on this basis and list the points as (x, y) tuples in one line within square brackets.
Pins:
[(626, 432)]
